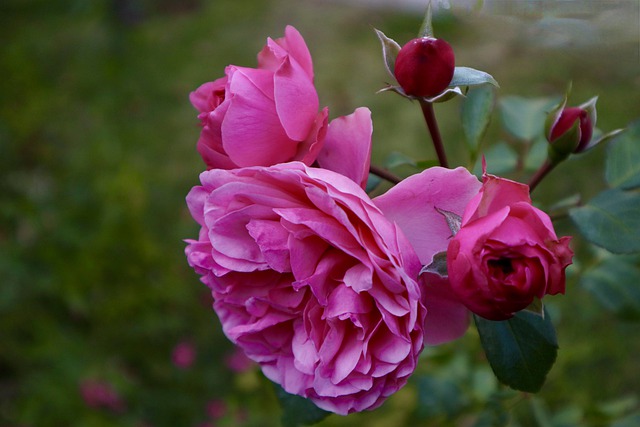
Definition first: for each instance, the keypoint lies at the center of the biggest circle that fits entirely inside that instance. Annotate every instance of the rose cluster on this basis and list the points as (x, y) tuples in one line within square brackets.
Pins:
[(317, 282)]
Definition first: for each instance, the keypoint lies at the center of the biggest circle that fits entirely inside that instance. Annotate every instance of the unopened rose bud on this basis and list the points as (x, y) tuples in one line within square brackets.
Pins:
[(572, 131), (424, 67)]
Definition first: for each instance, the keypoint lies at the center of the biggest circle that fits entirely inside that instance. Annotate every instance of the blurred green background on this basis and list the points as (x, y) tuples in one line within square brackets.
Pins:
[(97, 152)]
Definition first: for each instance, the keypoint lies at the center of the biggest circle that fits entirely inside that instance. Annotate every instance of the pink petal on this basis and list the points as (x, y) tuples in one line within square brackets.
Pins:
[(389, 348), (204, 99), (244, 81), (347, 359), (195, 201), (304, 350), (272, 240), (296, 100), (298, 50), (344, 300), (309, 149), (447, 318), (412, 205), (252, 134), (496, 193), (347, 148)]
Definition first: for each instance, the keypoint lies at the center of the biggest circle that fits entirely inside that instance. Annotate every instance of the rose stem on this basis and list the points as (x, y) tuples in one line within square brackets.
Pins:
[(432, 125), (384, 174), (546, 167)]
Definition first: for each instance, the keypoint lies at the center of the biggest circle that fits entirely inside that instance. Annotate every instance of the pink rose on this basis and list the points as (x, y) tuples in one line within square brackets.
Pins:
[(266, 115), (311, 280), (506, 252)]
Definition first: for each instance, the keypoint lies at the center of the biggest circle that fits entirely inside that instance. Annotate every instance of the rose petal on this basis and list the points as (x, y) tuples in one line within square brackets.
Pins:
[(412, 205), (250, 128), (347, 148), (447, 318), (298, 49), (296, 100)]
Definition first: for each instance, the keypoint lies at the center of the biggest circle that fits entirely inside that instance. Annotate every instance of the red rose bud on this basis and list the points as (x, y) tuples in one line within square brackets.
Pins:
[(572, 131), (424, 67)]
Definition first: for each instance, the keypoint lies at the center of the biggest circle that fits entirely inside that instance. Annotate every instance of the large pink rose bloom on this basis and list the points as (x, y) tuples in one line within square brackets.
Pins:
[(263, 116), (311, 280), (506, 252)]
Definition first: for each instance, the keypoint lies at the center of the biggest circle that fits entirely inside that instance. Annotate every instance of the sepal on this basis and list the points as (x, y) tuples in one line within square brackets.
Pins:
[(390, 49), (454, 221), (438, 265), (536, 307), (466, 76), (426, 29)]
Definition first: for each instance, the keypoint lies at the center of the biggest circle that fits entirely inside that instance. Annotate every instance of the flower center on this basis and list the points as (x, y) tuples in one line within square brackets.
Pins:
[(501, 264)]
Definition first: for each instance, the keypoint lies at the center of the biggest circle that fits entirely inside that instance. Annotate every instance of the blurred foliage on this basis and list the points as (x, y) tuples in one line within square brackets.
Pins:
[(97, 152)]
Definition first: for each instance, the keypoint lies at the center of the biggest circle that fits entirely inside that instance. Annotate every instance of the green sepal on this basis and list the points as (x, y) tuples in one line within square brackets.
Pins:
[(466, 76), (390, 49), (444, 96), (562, 147), (536, 307), (426, 29), (438, 265), (554, 114), (454, 221)]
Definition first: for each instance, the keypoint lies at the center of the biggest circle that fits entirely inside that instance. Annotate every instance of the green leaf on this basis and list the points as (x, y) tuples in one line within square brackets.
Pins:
[(536, 155), (611, 220), (615, 282), (439, 397), (390, 51), (623, 159), (396, 158), (465, 76), (476, 115), (521, 350), (632, 420), (492, 416), (524, 118), (298, 411)]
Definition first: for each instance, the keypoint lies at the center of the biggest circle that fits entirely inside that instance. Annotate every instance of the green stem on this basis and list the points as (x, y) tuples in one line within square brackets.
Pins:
[(432, 125), (384, 174), (546, 167)]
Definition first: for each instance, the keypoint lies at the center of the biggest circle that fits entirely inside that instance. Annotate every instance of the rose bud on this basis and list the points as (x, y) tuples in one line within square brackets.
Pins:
[(424, 67), (572, 130)]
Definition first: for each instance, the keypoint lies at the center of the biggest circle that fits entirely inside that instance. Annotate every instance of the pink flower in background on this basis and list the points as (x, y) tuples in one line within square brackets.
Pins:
[(101, 395), (216, 408), (266, 115), (506, 252), (413, 204), (184, 354), (310, 280)]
